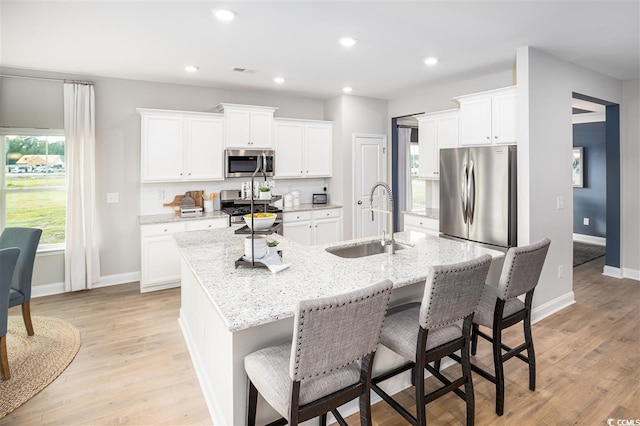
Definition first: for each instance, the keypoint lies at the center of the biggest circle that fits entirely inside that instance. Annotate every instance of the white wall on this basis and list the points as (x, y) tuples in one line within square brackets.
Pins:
[(351, 114), (630, 170), (545, 86), (34, 103)]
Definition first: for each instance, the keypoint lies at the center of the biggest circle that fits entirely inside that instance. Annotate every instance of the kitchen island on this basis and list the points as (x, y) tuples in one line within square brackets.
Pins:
[(227, 313)]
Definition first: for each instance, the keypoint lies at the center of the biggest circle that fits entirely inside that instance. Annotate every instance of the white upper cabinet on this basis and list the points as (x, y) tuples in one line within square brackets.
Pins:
[(303, 148), (181, 146), (247, 126), (435, 131), (488, 118)]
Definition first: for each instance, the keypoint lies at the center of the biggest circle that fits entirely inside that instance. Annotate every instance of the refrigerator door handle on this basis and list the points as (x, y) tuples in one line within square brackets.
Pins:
[(463, 192), (471, 193)]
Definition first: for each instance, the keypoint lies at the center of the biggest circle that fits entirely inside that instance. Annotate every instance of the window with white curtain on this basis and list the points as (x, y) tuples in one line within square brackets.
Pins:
[(418, 185), (33, 183)]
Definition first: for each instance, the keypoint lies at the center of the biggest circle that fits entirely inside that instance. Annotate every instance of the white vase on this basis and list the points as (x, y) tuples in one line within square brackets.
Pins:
[(265, 195)]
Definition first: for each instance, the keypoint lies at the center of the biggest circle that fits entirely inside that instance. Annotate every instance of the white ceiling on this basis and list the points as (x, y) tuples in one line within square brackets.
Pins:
[(154, 40)]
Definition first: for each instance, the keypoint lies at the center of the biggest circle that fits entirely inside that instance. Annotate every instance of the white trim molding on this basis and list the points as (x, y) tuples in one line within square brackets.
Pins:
[(106, 281), (47, 289), (615, 272), (116, 279), (590, 239), (632, 274), (552, 306)]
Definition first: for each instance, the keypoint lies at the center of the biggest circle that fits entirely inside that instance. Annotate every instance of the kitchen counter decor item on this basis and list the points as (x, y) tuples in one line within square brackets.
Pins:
[(260, 221)]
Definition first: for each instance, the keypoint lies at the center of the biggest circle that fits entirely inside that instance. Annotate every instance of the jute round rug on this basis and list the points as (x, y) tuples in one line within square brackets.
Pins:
[(35, 361)]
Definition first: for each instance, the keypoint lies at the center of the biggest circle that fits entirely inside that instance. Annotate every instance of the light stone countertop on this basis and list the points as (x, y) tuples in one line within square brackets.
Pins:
[(172, 217), (310, 207), (246, 297)]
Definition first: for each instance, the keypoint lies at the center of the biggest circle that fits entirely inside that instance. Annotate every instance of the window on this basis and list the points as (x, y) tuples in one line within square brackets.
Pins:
[(33, 183), (418, 185)]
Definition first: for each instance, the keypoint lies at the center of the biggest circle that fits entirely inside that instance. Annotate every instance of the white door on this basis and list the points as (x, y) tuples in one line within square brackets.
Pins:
[(370, 161)]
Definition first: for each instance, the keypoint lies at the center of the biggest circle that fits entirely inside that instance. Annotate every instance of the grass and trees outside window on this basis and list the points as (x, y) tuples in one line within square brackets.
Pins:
[(33, 183)]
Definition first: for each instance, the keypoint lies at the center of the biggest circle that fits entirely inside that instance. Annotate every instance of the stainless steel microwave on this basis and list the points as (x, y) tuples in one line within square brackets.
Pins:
[(243, 162)]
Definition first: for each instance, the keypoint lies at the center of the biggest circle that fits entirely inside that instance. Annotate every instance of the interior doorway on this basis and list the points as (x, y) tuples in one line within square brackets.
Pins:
[(596, 181), (409, 190)]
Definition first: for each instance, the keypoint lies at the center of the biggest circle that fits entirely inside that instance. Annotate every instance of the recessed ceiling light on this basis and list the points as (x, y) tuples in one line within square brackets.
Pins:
[(224, 14), (279, 80), (431, 61), (347, 89), (348, 41), (191, 68)]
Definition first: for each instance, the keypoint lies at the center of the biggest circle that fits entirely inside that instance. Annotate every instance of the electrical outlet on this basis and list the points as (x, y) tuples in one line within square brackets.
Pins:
[(560, 203), (113, 197), (560, 271), (160, 194), (585, 221)]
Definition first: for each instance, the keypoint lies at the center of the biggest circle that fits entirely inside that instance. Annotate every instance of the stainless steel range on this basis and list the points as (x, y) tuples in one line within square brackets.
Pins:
[(232, 204)]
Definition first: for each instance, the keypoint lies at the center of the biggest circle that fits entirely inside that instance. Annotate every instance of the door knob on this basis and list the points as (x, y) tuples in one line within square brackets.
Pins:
[(359, 202)]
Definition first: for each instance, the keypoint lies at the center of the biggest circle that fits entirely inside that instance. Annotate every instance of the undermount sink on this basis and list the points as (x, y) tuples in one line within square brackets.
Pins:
[(362, 250)]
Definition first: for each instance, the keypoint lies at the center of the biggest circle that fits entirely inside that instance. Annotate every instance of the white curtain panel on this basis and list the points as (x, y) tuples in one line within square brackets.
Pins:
[(404, 173), (82, 257)]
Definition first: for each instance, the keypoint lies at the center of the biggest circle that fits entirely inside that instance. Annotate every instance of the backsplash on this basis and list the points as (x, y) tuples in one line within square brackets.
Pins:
[(153, 195)]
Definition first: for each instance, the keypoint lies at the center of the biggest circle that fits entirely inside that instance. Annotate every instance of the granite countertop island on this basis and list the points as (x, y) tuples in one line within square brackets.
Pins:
[(227, 313), (246, 297)]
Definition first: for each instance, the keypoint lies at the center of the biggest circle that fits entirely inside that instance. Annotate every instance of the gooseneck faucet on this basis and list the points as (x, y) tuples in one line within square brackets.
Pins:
[(384, 242)]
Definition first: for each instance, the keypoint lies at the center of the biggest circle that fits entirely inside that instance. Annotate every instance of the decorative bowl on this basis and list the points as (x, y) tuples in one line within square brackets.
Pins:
[(260, 220)]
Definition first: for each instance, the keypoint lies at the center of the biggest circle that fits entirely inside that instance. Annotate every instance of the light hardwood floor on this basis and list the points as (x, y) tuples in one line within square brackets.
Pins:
[(134, 368)]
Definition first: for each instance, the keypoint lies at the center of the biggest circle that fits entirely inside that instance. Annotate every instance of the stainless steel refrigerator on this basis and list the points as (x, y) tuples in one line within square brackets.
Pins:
[(478, 194)]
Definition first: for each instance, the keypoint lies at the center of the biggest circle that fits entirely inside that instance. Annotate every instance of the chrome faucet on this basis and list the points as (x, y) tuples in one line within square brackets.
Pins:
[(384, 242)]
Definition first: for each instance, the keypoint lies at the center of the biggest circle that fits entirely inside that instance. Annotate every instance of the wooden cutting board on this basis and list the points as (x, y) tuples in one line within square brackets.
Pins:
[(175, 203), (198, 197)]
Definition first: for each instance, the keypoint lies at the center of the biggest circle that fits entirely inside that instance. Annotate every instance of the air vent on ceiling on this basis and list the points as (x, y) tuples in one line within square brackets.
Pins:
[(244, 70)]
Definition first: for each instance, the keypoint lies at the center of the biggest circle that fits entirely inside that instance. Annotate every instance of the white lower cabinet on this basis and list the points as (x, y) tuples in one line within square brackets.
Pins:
[(160, 257), (422, 224), (313, 227)]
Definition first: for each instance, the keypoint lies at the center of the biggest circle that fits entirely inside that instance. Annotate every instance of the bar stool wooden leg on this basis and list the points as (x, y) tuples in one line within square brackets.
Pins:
[(466, 373), (252, 402), (4, 360), (499, 370), (474, 338), (531, 356)]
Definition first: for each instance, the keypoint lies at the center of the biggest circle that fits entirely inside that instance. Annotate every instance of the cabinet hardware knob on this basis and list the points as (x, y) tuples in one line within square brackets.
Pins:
[(180, 174), (189, 173), (495, 137), (165, 230), (316, 226), (209, 226), (488, 137)]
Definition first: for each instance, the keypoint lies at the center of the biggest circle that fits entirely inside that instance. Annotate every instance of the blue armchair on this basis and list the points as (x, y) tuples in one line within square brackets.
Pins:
[(8, 260), (26, 239)]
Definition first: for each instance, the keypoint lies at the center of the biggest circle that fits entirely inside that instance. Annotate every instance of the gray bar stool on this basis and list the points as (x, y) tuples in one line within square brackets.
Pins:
[(500, 308), (318, 372), (426, 332)]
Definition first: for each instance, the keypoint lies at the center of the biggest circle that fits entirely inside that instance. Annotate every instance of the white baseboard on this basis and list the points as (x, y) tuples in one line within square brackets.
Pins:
[(612, 271), (47, 289), (551, 307), (590, 239), (632, 274), (115, 279), (106, 281)]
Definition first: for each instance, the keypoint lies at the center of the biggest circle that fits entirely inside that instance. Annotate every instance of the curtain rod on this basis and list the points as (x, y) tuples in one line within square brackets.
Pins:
[(406, 126), (89, 83)]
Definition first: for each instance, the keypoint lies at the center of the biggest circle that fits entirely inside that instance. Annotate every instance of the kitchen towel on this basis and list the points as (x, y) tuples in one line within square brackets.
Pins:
[(271, 260)]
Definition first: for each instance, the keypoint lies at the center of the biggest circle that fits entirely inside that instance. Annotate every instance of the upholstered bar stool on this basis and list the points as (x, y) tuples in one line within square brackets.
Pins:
[(318, 371), (8, 260), (500, 308), (428, 331), (26, 239)]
